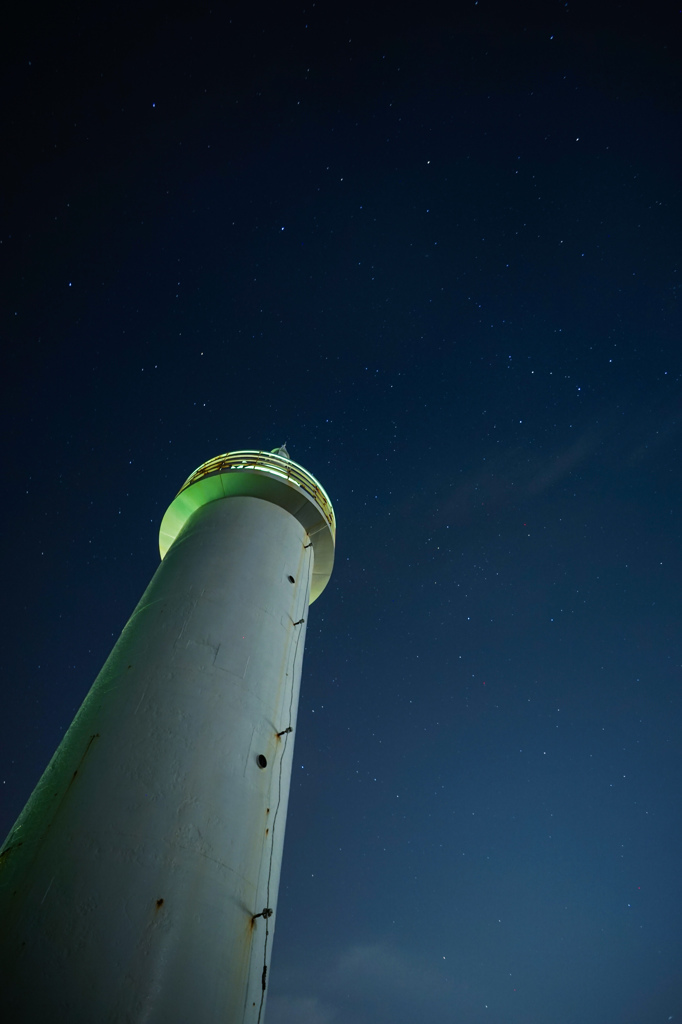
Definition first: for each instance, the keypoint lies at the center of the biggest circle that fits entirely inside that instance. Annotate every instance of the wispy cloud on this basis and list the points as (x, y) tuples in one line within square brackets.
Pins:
[(286, 1009), (366, 982)]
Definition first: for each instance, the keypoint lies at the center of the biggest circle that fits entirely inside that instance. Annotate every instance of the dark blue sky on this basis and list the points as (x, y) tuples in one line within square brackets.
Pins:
[(440, 258)]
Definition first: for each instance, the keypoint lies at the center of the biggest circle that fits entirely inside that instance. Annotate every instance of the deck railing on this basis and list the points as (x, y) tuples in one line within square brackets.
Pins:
[(271, 465)]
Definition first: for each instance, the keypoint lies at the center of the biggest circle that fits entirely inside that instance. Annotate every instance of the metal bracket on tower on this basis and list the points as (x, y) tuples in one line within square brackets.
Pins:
[(265, 912)]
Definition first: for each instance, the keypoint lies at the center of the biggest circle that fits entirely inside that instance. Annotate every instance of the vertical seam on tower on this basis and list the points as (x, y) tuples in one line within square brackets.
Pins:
[(279, 800)]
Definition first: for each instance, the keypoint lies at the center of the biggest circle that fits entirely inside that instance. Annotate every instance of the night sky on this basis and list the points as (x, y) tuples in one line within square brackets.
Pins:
[(439, 257)]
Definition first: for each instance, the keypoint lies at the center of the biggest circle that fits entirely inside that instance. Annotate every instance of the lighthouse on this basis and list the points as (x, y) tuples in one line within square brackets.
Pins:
[(140, 882)]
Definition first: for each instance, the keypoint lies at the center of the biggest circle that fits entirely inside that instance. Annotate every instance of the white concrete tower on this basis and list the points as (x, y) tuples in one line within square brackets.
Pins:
[(140, 882)]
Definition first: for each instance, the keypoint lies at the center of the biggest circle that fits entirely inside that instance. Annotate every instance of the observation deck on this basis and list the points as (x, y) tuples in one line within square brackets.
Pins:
[(269, 477)]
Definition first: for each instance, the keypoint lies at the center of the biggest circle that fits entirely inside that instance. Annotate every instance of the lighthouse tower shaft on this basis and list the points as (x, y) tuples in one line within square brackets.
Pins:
[(140, 882)]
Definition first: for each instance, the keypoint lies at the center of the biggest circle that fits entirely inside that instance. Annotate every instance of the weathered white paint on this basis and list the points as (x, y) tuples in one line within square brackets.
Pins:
[(130, 882)]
